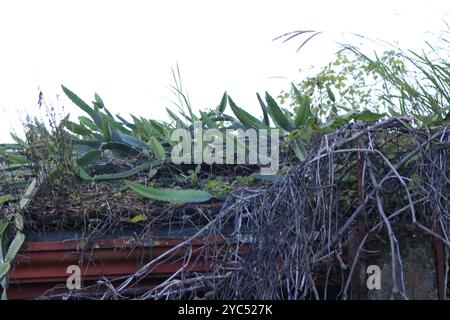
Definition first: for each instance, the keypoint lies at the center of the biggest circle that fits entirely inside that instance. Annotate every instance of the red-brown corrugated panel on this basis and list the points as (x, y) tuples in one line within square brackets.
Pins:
[(40, 266)]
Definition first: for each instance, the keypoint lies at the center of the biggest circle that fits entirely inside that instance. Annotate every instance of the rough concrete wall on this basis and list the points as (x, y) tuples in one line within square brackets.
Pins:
[(418, 265)]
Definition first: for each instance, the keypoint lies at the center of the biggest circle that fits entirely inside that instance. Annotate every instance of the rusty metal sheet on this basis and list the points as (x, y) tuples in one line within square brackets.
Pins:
[(41, 266)]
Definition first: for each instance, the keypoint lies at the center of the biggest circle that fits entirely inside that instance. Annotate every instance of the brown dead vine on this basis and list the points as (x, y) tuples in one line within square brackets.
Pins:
[(291, 239)]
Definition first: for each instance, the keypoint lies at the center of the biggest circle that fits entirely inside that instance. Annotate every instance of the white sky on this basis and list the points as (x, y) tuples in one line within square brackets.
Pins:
[(124, 50)]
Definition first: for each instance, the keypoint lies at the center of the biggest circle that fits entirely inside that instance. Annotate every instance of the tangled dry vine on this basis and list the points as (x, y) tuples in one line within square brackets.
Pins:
[(306, 234)]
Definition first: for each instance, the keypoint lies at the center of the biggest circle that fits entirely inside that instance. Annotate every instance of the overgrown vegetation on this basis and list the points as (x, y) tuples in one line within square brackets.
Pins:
[(357, 132)]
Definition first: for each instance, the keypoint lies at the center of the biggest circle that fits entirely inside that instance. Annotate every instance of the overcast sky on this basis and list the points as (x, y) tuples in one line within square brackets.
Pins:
[(124, 50)]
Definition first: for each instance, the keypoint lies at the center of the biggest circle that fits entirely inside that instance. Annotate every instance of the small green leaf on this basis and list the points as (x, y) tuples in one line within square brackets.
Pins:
[(302, 115), (299, 149), (172, 115), (127, 173), (106, 130), (16, 159), (4, 268), (76, 99), (120, 147), (14, 247), (246, 118), (85, 121), (367, 115), (157, 148), (7, 198), (331, 95), (205, 117), (77, 128), (3, 225), (126, 138), (18, 221), (99, 101), (80, 171), (170, 195), (89, 158), (83, 106), (303, 111), (264, 110), (277, 114), (17, 139), (266, 177), (139, 218), (223, 103), (29, 193)]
